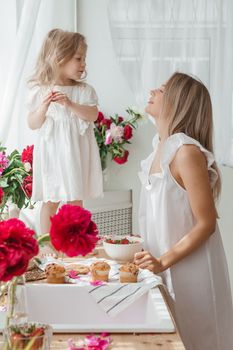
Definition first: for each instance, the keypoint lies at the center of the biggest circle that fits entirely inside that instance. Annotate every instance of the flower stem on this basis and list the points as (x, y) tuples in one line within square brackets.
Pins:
[(43, 238), (15, 170), (11, 302)]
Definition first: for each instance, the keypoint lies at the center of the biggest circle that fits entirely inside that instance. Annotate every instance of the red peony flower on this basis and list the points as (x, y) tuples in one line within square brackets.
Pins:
[(27, 154), (72, 231), (27, 185), (128, 132), (17, 247), (123, 159), (120, 119), (1, 195), (106, 122), (100, 117)]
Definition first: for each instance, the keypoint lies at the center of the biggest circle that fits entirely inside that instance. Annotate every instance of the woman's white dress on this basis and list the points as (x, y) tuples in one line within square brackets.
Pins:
[(198, 285), (66, 161)]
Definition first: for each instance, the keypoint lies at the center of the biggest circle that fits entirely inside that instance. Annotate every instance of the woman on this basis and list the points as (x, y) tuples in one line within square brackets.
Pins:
[(180, 183)]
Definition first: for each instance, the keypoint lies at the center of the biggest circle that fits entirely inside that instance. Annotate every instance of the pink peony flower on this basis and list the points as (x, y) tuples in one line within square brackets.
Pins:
[(104, 334), (97, 283), (96, 343), (72, 231), (73, 274), (3, 162), (108, 138), (117, 132), (91, 342), (1, 195)]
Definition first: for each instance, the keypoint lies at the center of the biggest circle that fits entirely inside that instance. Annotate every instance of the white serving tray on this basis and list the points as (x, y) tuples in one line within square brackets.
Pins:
[(70, 309)]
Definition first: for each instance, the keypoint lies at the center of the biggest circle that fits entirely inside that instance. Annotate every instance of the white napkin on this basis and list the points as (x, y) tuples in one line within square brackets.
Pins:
[(114, 297)]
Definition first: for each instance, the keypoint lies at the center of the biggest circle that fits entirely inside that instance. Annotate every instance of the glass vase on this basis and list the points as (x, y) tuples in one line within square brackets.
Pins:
[(16, 302), (28, 336)]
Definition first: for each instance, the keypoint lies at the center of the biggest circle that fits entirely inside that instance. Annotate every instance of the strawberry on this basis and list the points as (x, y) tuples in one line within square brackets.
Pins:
[(125, 241)]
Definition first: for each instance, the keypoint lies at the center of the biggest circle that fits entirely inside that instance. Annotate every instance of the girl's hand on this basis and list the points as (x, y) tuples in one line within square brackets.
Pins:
[(145, 260), (46, 102), (61, 98)]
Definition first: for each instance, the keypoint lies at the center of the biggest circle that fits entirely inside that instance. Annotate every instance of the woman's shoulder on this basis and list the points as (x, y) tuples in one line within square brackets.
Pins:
[(185, 149), (189, 154)]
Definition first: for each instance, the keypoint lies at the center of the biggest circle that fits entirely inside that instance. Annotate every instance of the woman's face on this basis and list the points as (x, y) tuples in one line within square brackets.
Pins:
[(155, 103)]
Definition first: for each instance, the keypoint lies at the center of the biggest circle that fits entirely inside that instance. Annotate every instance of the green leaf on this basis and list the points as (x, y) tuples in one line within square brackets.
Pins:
[(3, 182)]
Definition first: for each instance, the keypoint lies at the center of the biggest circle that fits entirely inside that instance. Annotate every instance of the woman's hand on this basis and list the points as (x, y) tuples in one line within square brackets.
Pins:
[(61, 98), (145, 260)]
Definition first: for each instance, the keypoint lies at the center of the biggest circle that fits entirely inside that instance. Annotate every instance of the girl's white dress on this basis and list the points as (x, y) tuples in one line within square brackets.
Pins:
[(66, 161), (198, 285)]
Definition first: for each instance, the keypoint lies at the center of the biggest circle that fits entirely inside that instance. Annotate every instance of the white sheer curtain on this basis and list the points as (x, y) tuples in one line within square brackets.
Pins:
[(154, 38), (29, 20)]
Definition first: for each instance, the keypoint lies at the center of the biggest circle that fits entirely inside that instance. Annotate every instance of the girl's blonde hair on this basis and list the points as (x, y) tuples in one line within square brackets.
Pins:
[(187, 103), (58, 48)]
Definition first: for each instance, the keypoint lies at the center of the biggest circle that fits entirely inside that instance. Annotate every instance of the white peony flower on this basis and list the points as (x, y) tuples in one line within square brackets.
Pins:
[(117, 132)]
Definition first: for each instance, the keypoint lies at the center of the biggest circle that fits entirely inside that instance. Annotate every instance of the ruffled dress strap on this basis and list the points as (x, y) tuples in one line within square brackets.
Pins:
[(174, 142)]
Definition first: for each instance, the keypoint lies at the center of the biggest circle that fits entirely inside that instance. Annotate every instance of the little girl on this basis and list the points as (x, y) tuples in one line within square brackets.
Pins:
[(66, 165), (180, 181)]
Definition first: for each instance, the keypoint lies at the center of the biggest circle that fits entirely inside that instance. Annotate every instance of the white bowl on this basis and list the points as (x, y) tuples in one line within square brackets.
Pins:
[(123, 252)]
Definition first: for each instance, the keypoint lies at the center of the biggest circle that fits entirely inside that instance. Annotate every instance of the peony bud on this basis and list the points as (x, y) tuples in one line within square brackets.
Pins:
[(27, 166)]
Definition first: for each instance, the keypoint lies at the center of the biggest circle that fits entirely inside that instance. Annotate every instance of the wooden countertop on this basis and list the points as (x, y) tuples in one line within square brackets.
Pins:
[(125, 341)]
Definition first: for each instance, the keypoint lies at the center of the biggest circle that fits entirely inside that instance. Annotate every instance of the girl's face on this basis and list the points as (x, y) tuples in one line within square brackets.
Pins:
[(155, 103), (74, 68)]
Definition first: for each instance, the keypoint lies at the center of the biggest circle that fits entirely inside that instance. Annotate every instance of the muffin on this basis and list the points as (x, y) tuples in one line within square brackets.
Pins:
[(100, 271), (55, 273), (129, 273)]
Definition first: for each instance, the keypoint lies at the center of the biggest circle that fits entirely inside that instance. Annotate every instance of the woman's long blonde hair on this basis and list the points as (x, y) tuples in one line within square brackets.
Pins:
[(187, 103), (58, 48)]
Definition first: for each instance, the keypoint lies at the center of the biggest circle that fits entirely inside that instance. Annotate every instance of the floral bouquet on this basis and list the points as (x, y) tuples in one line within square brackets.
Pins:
[(113, 134), (16, 177)]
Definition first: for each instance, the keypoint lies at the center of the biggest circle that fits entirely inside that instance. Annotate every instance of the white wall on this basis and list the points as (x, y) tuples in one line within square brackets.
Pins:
[(114, 96), (114, 93)]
